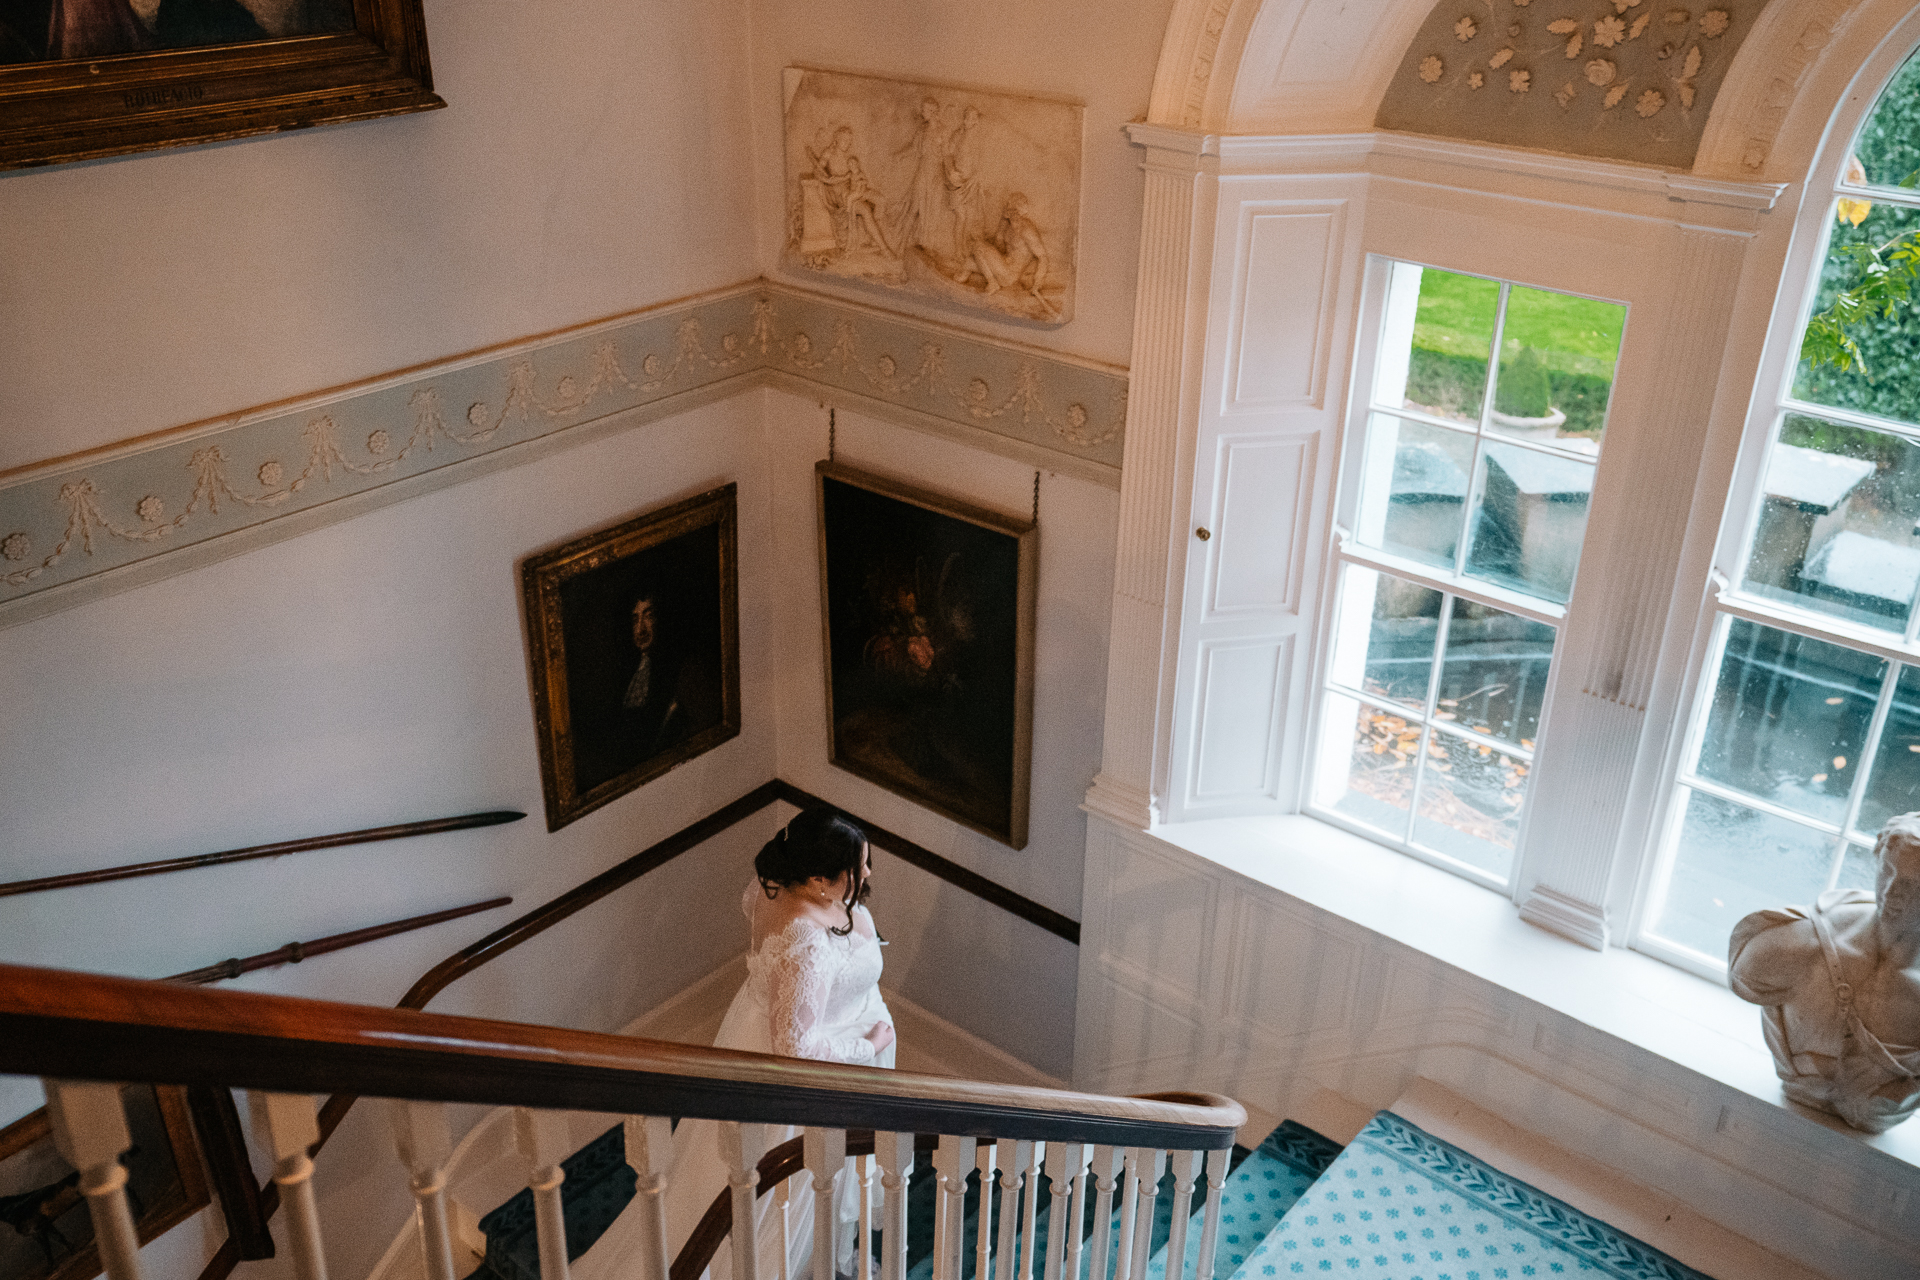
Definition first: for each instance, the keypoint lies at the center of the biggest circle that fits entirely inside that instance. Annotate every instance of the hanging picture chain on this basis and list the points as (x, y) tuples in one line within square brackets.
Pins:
[(1036, 497), (830, 434)]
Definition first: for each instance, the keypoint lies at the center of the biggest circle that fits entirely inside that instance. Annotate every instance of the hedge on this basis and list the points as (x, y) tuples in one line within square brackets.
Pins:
[(1453, 383)]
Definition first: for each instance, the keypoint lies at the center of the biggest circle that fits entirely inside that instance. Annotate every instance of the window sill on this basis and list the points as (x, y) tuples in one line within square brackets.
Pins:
[(1688, 1020)]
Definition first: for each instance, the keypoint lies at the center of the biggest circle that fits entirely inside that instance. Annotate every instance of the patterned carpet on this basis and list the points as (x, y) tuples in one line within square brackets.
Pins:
[(1400, 1204)]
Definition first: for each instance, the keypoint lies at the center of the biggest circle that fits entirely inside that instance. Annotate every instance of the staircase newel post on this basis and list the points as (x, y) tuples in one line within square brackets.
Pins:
[(90, 1131), (649, 1142), (292, 1130), (894, 1151), (1032, 1155), (826, 1155), (1066, 1162), (1186, 1167), (1210, 1225), (1106, 1170), (741, 1146), (951, 1160), (542, 1139), (424, 1144)]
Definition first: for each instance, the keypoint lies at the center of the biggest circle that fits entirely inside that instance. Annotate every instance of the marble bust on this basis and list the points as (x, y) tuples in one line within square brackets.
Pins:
[(1839, 988)]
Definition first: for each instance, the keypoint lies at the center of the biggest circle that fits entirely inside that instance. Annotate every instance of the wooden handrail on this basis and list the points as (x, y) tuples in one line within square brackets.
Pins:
[(367, 835), (84, 1026)]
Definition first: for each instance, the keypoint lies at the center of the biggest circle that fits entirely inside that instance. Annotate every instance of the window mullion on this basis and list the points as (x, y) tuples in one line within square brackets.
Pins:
[(1870, 749)]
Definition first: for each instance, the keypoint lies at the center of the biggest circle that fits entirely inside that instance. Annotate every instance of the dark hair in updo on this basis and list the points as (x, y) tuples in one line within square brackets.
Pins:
[(818, 842)]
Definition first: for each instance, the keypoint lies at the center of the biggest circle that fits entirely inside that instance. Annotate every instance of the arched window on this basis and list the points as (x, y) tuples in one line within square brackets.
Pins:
[(1804, 736)]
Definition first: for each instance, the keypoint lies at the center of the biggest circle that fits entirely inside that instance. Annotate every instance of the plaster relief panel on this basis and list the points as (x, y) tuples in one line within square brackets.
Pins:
[(964, 196), (1285, 301), (1239, 697), (1160, 919), (1267, 493), (1623, 79)]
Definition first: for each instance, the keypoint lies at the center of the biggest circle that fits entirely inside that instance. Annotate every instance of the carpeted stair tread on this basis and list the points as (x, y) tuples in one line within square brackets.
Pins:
[(1401, 1204), (599, 1184), (1258, 1192)]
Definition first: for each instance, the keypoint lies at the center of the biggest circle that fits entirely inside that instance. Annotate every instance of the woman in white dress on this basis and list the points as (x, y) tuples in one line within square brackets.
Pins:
[(812, 991)]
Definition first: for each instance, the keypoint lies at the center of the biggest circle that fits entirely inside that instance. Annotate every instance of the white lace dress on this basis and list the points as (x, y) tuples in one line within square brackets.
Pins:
[(808, 994)]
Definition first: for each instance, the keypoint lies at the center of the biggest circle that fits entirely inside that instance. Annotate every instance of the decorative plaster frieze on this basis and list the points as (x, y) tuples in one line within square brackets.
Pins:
[(63, 525)]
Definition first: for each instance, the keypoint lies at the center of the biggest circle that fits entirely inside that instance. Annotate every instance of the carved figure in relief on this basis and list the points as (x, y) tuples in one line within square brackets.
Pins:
[(962, 174), (1839, 987), (839, 209), (1003, 260), (927, 219)]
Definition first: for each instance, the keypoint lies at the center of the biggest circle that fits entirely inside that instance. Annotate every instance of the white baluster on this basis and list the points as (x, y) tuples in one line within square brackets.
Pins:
[(894, 1152), (785, 1193), (1016, 1154), (1186, 1167), (421, 1138), (863, 1245), (951, 1160), (1078, 1154), (542, 1139), (741, 1146), (1106, 1171), (1064, 1163), (1030, 1219), (1151, 1165), (826, 1155), (984, 1159), (287, 1121), (1129, 1205), (649, 1154), (90, 1132), (1210, 1225)]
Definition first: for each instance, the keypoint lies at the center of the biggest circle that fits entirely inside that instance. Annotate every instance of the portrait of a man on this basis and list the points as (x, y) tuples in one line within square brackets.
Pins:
[(60, 30), (636, 651)]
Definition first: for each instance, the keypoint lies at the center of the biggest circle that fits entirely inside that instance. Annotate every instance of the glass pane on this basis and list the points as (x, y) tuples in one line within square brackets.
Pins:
[(1887, 381), (1888, 148), (1437, 338), (1837, 520), (1494, 674), (1414, 489), (1893, 788), (1367, 764), (1789, 717), (1531, 517), (1470, 800), (1858, 869), (1387, 631), (1557, 354), (1732, 861)]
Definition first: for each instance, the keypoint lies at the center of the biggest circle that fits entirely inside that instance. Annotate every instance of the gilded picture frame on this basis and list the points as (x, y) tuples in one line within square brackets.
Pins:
[(59, 108), (52, 1232), (633, 638), (927, 607)]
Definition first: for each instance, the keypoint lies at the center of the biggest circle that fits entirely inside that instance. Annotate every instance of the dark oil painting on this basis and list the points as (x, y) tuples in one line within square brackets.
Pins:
[(51, 1231), (635, 639), (927, 604), (63, 30)]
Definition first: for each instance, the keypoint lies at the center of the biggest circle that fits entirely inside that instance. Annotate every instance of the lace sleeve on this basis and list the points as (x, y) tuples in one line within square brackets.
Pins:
[(798, 981)]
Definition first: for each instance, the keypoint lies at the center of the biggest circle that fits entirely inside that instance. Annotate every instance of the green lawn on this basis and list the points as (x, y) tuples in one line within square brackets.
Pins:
[(1572, 335)]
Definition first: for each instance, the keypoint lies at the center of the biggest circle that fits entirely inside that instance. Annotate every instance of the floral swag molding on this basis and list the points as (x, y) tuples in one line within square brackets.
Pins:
[(124, 507)]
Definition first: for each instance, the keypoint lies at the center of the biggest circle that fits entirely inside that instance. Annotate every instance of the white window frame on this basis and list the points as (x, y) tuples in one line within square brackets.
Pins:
[(1325, 735), (1723, 599)]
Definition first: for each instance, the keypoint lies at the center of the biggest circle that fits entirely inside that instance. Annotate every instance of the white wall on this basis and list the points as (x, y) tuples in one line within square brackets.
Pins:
[(1101, 52), (590, 161), (951, 952)]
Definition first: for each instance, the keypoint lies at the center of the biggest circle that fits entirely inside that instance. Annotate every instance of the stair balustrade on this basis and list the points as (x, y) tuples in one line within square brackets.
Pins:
[(78, 1032)]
